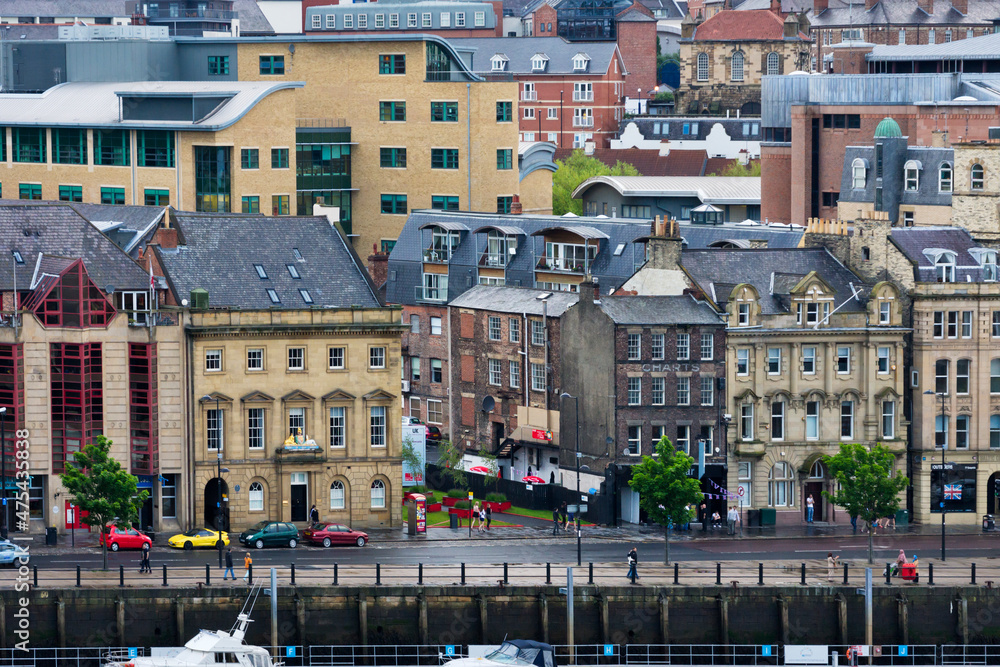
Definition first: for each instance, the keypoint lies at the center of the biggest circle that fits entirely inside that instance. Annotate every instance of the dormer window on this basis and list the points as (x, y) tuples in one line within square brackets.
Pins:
[(944, 267), (443, 245), (18, 258), (944, 178), (911, 174), (500, 249), (499, 62), (859, 173), (977, 177), (580, 62), (988, 263), (538, 63), (743, 315)]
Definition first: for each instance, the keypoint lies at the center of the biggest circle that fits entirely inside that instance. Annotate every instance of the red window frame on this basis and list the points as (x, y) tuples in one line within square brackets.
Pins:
[(12, 398), (73, 301), (77, 385), (143, 421)]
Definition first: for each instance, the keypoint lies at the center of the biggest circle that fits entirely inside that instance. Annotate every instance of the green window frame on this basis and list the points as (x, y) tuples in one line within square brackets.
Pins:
[(250, 204), (505, 112), (249, 158), (113, 196), (505, 158), (386, 245), (272, 65), (111, 148), (71, 193), (503, 204), (218, 65), (394, 204), (444, 202), (153, 197), (155, 148), (392, 111), (69, 146), (392, 63), (279, 204), (29, 191), (279, 158), (444, 158), (444, 112), (212, 178), (28, 144), (3, 144), (392, 158)]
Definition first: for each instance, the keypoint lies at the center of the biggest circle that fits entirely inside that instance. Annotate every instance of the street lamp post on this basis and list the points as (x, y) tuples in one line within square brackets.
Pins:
[(3, 470), (219, 521), (579, 537), (944, 448)]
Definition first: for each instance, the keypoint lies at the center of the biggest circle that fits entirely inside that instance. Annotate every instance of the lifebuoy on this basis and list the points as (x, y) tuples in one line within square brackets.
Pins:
[(850, 654)]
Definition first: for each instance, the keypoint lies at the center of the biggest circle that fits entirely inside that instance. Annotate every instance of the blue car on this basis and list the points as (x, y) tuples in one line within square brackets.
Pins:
[(13, 555)]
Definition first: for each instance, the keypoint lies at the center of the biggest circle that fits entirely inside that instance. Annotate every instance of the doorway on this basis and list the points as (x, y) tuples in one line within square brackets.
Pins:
[(146, 513), (299, 495), (993, 494), (497, 435), (814, 487), (216, 517)]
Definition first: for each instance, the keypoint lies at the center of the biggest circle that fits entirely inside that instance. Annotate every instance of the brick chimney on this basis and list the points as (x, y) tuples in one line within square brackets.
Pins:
[(870, 4), (378, 266), (165, 235), (688, 24), (926, 5), (776, 7), (515, 206), (820, 6), (665, 245), (961, 6)]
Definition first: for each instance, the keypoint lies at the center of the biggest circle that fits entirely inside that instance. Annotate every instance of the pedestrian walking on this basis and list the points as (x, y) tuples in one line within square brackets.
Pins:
[(854, 522), (564, 513), (229, 564), (810, 508), (482, 519), (555, 521), (247, 562), (732, 518), (475, 517), (633, 565), (144, 565), (703, 516), (489, 515), (313, 515), (831, 565)]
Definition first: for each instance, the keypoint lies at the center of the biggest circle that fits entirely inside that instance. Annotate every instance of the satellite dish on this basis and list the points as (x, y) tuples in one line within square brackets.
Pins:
[(110, 289), (184, 302), (609, 440), (291, 49), (489, 403)]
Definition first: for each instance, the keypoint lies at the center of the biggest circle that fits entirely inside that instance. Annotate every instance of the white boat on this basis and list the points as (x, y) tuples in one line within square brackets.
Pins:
[(512, 653), (209, 647)]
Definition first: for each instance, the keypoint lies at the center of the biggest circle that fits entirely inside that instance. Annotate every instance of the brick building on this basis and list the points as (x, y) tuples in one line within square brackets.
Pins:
[(506, 346), (570, 92), (724, 58)]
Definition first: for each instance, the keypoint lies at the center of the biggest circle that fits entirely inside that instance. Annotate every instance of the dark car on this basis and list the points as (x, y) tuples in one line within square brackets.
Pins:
[(329, 534), (270, 534)]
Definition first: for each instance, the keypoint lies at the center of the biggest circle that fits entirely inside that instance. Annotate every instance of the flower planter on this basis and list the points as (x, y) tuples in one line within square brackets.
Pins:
[(462, 514), (450, 502), (497, 507), (435, 507)]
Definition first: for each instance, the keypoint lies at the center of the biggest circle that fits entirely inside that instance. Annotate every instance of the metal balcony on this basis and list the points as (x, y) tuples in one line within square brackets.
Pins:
[(583, 96), (583, 122), (529, 96), (430, 294)]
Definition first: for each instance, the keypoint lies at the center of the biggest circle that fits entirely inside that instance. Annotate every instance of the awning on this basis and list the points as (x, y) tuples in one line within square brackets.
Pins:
[(581, 231), (509, 231), (523, 434), (448, 226)]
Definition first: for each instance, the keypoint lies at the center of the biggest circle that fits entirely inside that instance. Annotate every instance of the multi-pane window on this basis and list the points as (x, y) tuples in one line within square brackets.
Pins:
[(504, 203), (296, 358), (658, 433), (414, 369), (537, 332), (743, 315), (938, 330), (962, 368), (296, 421), (255, 497), (883, 356), (994, 431), (684, 391), (995, 376), (658, 346), (966, 324), (634, 391), (885, 312), (255, 428), (376, 357), (338, 426), (213, 360), (255, 359), (394, 204), (28, 144), (538, 377), (952, 324), (995, 328), (218, 65), (777, 420), (444, 112), (279, 205), (213, 429), (444, 203), (746, 421), (683, 440), (505, 158), (742, 361), (505, 113), (847, 419), (337, 495), (71, 193), (514, 329), (249, 158), (272, 65), (377, 488), (683, 346), (659, 392), (112, 148), (773, 360), (250, 204), (707, 346), (962, 432), (888, 419), (392, 158), (69, 146), (634, 440), (495, 332), (279, 158), (392, 111), (495, 372), (808, 360), (394, 63), (435, 326), (634, 346), (703, 67), (942, 368), (515, 374), (779, 485), (812, 420), (335, 358), (707, 390), (843, 359), (376, 425), (444, 158), (114, 196), (434, 411)]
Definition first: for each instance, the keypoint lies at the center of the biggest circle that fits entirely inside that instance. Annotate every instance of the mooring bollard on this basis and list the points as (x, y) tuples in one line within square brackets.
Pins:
[(760, 574), (164, 575), (463, 574), (888, 574), (718, 574), (590, 580), (121, 575), (930, 574), (378, 574), (420, 574), (803, 574), (77, 576), (973, 573), (208, 575), (293, 574), (505, 574), (548, 573), (676, 573), (336, 576), (845, 574)]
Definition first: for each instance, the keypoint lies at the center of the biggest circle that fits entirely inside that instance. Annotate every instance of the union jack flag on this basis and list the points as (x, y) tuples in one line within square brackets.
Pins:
[(952, 491)]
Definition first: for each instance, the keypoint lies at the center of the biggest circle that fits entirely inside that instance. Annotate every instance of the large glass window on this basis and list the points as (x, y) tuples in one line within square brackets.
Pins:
[(213, 429), (444, 158), (272, 65), (143, 399), (377, 426), (111, 148), (378, 494), (168, 495), (155, 148), (77, 416), (780, 485), (212, 178), (255, 497), (28, 144), (69, 146)]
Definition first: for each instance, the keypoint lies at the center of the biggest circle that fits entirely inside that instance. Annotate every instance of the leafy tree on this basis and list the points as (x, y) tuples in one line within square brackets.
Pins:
[(491, 464), (101, 487), (575, 170), (869, 489), (450, 460), (665, 58), (412, 458), (737, 168), (664, 488)]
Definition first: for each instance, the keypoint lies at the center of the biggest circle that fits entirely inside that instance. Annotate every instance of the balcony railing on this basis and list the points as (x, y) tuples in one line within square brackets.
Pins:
[(560, 264), (432, 294), (583, 96), (432, 256), (583, 122), (496, 260), (529, 96), (219, 14)]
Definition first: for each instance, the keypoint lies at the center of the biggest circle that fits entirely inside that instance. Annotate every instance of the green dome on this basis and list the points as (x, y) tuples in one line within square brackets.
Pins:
[(888, 129)]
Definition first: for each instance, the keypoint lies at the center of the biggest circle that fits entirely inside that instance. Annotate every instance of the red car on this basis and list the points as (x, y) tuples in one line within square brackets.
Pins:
[(125, 538), (328, 534)]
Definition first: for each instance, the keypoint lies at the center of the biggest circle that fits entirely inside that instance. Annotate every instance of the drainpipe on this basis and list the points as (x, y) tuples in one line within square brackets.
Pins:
[(545, 331), (468, 142), (451, 381), (189, 426)]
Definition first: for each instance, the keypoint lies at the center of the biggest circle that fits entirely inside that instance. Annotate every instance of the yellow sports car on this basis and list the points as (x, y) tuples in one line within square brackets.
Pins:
[(199, 537)]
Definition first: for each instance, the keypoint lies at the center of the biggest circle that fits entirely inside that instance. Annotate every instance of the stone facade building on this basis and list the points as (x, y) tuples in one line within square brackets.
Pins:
[(974, 203)]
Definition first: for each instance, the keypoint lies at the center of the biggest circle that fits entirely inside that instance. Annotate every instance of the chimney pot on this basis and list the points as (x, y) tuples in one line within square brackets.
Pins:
[(515, 205)]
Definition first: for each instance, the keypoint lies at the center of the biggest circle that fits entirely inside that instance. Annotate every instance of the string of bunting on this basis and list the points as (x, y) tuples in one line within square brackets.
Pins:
[(724, 494)]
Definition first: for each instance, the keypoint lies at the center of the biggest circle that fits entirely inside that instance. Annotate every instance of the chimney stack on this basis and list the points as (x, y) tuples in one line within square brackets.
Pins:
[(378, 266), (515, 206), (961, 6), (665, 244), (820, 6), (791, 26), (926, 5)]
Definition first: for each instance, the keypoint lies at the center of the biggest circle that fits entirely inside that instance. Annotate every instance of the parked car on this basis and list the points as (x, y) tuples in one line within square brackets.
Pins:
[(270, 534), (199, 537), (13, 554), (433, 433), (124, 538), (411, 421), (329, 534)]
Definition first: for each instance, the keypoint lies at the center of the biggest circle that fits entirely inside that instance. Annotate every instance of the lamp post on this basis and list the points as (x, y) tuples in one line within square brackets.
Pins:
[(218, 479), (3, 470), (944, 448), (576, 414)]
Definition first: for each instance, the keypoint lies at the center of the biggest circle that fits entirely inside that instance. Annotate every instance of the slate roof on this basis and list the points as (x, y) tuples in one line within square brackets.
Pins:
[(754, 25), (658, 310), (515, 300), (64, 8), (919, 244), (62, 232), (477, 53), (709, 189), (252, 19), (985, 47), (927, 193), (905, 13), (672, 127), (717, 271), (703, 236), (221, 250)]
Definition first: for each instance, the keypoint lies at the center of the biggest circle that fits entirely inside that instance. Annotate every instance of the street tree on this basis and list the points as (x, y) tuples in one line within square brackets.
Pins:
[(869, 487), (575, 170), (450, 460), (103, 489), (412, 460), (665, 490)]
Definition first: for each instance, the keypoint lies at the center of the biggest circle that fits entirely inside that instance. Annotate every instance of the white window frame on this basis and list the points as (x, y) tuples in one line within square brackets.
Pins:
[(377, 493), (658, 392), (812, 420), (773, 356), (377, 426), (809, 360), (777, 420), (255, 428), (742, 361), (843, 360), (635, 391), (707, 390), (634, 347), (338, 495), (213, 361), (683, 346), (255, 497), (296, 359), (376, 358), (335, 354), (494, 372), (683, 391), (746, 422), (338, 426), (889, 419), (737, 67), (707, 347)]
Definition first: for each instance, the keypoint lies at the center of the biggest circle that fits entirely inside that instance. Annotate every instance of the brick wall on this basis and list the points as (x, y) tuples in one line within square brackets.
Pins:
[(637, 43), (427, 347)]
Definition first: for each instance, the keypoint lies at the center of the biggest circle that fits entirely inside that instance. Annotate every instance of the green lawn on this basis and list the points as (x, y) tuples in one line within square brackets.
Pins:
[(441, 519)]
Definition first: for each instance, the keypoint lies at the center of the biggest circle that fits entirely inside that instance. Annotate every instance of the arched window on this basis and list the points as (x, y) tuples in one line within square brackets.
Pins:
[(337, 495), (859, 174), (817, 471), (773, 63), (942, 367), (256, 494), (737, 66), (780, 485), (945, 267), (911, 176), (378, 494), (703, 67), (944, 177), (977, 175), (995, 376), (902, 36), (994, 431)]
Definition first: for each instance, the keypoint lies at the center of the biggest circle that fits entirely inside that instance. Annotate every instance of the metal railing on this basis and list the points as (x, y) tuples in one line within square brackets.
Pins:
[(529, 96), (381, 656), (434, 294), (699, 654), (583, 122), (583, 96)]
